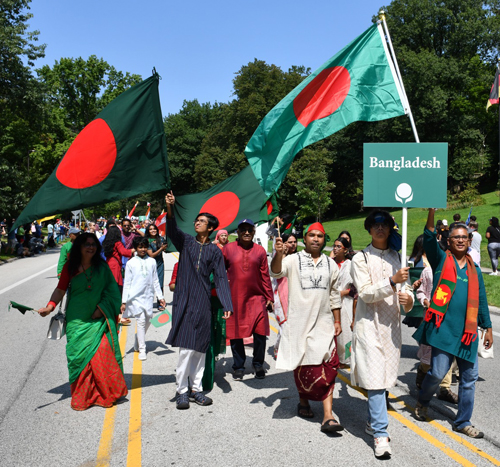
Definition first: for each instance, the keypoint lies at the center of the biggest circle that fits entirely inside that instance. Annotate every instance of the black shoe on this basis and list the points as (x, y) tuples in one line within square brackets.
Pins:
[(182, 401), (200, 398), (259, 372), (238, 374)]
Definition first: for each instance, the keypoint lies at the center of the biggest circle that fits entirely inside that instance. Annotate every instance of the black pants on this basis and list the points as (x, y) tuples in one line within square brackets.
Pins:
[(238, 349)]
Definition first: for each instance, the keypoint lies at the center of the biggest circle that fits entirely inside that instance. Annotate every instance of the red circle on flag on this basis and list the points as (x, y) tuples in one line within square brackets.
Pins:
[(269, 207), (90, 158), (224, 206), (163, 318), (323, 95)]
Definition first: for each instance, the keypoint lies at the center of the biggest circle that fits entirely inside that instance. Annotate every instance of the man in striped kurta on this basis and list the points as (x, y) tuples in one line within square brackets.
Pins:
[(191, 313)]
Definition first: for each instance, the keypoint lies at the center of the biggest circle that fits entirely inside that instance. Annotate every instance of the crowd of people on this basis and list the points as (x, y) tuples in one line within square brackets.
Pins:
[(341, 310)]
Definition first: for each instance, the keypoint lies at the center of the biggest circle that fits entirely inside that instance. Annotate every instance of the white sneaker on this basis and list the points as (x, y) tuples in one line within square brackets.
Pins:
[(142, 356), (382, 448), (494, 273), (368, 429)]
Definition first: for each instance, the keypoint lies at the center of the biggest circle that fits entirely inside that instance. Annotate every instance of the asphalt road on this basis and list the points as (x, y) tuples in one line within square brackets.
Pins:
[(251, 422)]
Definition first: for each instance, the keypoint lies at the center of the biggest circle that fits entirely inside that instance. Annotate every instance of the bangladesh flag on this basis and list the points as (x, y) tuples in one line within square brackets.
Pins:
[(232, 200), (121, 153), (358, 84)]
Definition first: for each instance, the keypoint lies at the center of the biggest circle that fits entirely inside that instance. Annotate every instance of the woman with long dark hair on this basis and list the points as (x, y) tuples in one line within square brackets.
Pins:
[(157, 245), (92, 350), (114, 251)]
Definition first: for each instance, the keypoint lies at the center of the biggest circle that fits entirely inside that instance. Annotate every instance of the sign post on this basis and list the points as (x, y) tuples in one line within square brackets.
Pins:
[(407, 175)]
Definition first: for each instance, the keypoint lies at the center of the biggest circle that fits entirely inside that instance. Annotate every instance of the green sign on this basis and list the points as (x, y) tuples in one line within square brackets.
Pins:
[(410, 175)]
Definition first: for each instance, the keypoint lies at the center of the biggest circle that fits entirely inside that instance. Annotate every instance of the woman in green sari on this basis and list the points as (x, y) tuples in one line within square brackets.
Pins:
[(92, 350)]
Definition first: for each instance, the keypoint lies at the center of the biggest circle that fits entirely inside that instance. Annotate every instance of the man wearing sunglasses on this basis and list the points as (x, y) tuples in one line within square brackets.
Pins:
[(252, 296), (450, 325)]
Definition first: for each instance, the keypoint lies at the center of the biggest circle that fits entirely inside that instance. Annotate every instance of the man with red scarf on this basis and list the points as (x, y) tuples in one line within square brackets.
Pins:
[(450, 324), (308, 339)]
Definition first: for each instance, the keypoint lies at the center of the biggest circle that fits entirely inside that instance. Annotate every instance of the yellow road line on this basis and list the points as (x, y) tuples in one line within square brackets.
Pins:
[(273, 329), (108, 426), (416, 429), (175, 255), (450, 433), (134, 426)]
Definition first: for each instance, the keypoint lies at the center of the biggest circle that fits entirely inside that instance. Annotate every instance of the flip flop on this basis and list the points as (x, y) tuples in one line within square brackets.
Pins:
[(304, 408), (125, 322), (331, 426)]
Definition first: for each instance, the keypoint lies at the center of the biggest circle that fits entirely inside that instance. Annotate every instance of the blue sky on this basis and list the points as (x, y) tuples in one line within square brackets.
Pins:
[(197, 46)]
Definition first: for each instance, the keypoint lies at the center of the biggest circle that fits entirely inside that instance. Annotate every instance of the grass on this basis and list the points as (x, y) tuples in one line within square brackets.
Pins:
[(416, 222)]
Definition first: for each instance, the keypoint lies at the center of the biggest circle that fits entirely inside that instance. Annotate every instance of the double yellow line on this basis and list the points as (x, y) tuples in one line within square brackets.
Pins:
[(134, 452)]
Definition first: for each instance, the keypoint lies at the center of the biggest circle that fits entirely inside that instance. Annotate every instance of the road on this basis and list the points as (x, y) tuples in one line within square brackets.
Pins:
[(251, 421)]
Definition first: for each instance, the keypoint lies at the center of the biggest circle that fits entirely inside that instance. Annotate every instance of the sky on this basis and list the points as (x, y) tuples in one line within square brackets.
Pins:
[(197, 47)]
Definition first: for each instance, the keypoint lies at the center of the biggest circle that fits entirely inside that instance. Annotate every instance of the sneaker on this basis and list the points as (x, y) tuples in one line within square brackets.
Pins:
[(200, 398), (494, 273), (259, 372), (142, 356), (382, 448), (238, 374), (446, 395), (421, 412), (182, 401), (368, 429), (470, 431)]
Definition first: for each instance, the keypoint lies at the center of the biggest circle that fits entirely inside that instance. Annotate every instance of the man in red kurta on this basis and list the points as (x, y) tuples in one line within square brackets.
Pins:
[(252, 296)]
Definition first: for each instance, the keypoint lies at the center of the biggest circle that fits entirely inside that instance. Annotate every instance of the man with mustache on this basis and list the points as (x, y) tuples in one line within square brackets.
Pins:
[(252, 296), (308, 341)]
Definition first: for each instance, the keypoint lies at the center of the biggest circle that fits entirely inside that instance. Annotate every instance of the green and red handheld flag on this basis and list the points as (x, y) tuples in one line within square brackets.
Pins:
[(232, 200), (119, 154), (494, 95), (358, 84)]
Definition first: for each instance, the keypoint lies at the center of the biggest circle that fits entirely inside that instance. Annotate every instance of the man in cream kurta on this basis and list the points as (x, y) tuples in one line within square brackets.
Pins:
[(308, 336)]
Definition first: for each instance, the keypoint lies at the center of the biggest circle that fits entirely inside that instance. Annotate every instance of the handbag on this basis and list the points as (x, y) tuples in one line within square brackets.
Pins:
[(482, 352), (57, 325)]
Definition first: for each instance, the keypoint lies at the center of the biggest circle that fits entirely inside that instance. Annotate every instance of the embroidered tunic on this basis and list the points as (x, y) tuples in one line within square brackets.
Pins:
[(191, 315), (248, 274), (308, 336), (345, 337), (376, 341)]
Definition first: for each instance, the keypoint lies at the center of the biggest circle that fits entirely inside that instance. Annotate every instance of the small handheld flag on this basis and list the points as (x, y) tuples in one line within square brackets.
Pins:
[(22, 308)]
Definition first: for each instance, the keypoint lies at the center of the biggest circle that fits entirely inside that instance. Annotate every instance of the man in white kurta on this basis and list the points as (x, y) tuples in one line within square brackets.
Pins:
[(308, 336), (139, 288), (376, 343)]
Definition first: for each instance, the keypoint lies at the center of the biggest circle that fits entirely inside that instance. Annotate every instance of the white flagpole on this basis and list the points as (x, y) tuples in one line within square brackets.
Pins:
[(404, 233)]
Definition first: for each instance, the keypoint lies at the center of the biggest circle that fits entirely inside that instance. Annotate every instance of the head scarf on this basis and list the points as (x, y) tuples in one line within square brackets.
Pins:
[(315, 226), (219, 233)]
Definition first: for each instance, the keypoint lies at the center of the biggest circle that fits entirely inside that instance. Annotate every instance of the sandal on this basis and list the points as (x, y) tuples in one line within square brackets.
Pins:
[(125, 322), (304, 411), (331, 426), (470, 431)]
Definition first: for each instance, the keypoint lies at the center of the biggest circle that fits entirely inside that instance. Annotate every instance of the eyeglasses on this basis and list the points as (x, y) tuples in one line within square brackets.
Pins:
[(380, 226), (90, 245), (245, 229), (459, 237), (200, 221)]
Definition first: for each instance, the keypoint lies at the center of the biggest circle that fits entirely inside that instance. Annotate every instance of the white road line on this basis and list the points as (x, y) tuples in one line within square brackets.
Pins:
[(26, 279)]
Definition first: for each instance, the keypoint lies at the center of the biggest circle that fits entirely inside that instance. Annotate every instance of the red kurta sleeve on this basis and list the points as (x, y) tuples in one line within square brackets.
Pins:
[(122, 250), (174, 274), (266, 279)]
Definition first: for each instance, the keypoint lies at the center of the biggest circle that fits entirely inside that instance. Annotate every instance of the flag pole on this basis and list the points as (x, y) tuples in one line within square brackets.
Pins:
[(404, 233)]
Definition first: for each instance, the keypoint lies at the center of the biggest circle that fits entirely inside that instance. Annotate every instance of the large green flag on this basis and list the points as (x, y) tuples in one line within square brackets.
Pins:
[(121, 153), (232, 200), (358, 84)]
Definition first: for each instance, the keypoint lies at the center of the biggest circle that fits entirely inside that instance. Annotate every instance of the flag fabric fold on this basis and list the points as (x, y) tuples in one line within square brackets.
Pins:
[(232, 200), (358, 84), (119, 154), (494, 94)]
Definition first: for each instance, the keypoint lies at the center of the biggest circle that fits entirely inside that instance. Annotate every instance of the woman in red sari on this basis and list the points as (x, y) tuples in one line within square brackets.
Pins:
[(92, 350)]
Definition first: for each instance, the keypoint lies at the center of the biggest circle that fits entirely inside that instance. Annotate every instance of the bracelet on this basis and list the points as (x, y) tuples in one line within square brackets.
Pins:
[(337, 322), (393, 284), (52, 303)]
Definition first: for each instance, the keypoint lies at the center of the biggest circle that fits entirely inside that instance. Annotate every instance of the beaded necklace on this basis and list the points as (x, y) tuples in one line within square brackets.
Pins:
[(89, 278)]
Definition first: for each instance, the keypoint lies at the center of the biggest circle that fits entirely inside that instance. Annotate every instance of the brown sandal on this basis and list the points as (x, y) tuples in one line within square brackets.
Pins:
[(304, 411)]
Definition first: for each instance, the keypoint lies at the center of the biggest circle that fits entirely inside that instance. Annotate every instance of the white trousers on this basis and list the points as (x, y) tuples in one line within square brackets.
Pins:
[(190, 369), (142, 321)]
